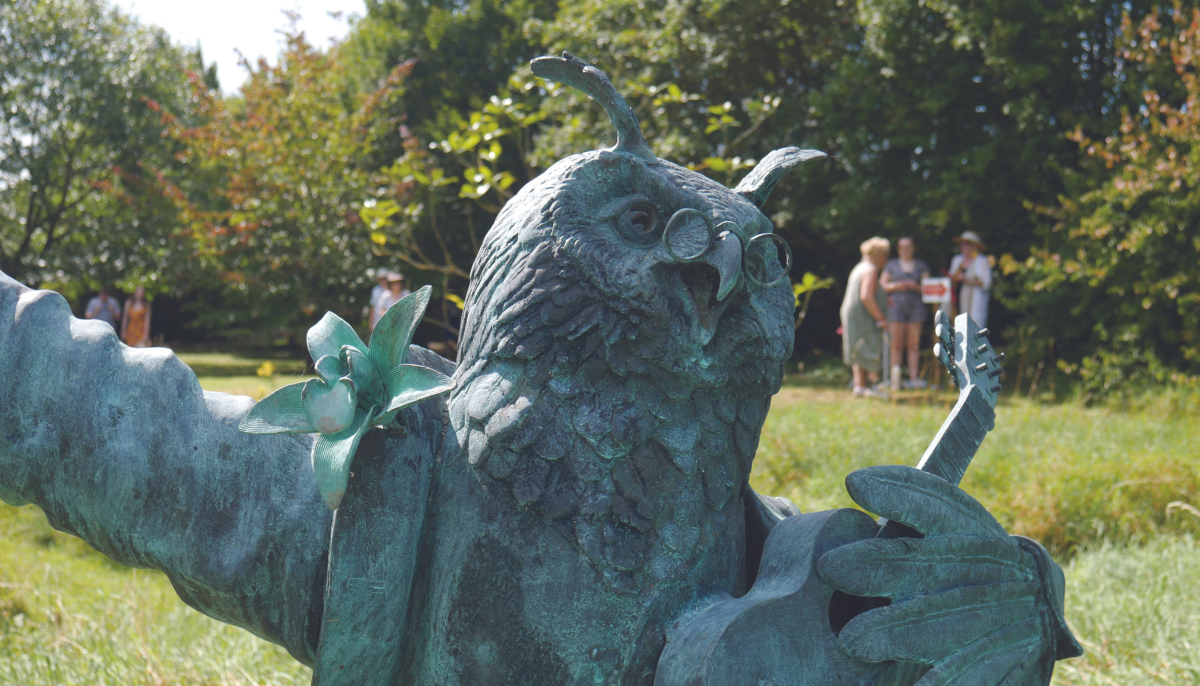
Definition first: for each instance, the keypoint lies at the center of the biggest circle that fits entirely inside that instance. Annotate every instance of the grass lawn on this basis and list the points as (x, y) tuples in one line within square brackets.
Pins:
[(210, 364), (1095, 485), (252, 375), (1136, 611), (256, 387), (1062, 474), (69, 615)]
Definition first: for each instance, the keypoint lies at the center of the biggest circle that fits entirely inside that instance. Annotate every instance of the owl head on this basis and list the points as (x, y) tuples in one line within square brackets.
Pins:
[(681, 275)]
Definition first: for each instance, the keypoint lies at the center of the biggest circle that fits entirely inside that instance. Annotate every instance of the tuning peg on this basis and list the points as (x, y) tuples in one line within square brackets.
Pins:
[(939, 331), (981, 367), (983, 333), (938, 352), (982, 349), (995, 389), (996, 372), (999, 357)]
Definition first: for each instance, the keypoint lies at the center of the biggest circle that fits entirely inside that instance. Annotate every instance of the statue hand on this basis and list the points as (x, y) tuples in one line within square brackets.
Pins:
[(972, 602)]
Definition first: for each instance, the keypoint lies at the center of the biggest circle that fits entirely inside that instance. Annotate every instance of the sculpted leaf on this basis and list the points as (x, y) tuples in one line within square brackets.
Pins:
[(368, 383), (332, 455), (394, 332), (408, 384), (278, 413), (328, 336), (331, 367)]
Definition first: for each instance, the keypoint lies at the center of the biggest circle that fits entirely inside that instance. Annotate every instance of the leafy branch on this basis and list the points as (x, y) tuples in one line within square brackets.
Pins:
[(808, 285)]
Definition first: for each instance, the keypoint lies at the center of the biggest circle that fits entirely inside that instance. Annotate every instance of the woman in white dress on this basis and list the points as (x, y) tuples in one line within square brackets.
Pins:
[(971, 273), (377, 295), (395, 293)]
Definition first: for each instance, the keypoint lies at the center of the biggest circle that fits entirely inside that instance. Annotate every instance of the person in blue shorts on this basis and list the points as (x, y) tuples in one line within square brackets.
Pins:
[(901, 280)]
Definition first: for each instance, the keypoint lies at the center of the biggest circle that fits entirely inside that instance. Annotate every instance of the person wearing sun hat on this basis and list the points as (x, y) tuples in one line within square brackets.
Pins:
[(378, 293), (395, 293), (971, 273)]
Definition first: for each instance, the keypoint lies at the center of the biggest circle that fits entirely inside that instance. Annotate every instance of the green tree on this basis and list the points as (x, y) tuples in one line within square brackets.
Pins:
[(269, 193), (441, 197), (709, 80), (713, 112), (462, 52), (951, 116), (454, 162), (939, 116), (81, 92), (1118, 270), (717, 85)]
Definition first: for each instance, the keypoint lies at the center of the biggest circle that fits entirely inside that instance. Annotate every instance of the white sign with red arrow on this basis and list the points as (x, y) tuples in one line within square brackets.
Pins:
[(935, 290)]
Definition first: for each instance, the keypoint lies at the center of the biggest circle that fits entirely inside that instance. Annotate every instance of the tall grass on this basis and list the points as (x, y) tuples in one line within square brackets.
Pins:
[(70, 616), (1093, 484), (1063, 474), (1136, 610)]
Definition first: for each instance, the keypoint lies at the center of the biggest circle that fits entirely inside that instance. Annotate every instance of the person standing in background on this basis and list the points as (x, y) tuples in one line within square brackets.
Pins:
[(404, 292), (971, 274), (135, 324), (395, 293), (863, 320), (377, 295), (104, 307), (901, 279)]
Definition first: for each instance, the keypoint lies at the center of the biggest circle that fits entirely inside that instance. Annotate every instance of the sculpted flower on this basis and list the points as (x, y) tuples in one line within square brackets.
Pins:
[(358, 386)]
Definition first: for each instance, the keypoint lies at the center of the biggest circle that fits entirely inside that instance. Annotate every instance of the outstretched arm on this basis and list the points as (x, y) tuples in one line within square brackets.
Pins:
[(121, 447)]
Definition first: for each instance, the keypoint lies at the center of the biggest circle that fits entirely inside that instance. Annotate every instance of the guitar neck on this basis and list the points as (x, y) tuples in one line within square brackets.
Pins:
[(962, 350), (950, 453)]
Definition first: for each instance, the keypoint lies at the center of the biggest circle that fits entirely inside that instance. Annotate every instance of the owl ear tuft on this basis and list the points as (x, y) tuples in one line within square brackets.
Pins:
[(574, 72), (759, 183)]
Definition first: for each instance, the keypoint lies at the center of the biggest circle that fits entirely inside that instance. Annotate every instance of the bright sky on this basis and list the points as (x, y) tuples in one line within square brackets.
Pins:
[(251, 26)]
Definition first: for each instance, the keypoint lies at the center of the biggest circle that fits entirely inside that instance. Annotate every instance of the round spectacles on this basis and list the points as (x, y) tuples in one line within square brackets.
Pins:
[(690, 233), (757, 260)]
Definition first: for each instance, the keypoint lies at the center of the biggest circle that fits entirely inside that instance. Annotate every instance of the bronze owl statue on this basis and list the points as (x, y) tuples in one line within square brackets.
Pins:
[(576, 509)]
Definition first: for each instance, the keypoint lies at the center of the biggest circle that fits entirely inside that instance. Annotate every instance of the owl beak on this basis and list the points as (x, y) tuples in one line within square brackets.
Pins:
[(710, 280), (726, 256)]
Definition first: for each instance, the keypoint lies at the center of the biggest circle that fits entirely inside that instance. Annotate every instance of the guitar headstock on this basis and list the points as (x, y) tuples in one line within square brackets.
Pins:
[(967, 354)]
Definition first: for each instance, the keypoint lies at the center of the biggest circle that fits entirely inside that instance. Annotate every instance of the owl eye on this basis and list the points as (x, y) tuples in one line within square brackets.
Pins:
[(639, 223)]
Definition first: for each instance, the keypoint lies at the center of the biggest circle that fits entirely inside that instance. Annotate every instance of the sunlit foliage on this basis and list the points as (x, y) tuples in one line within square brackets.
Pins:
[(269, 188), (81, 86), (1123, 259)]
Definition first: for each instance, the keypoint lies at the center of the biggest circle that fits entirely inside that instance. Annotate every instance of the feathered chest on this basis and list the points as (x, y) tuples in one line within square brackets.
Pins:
[(626, 324), (639, 469)]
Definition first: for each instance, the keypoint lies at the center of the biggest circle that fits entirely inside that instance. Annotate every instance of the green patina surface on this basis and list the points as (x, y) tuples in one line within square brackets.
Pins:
[(573, 508)]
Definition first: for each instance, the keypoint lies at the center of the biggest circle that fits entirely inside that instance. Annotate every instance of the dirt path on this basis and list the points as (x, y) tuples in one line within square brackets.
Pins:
[(789, 395), (793, 394)]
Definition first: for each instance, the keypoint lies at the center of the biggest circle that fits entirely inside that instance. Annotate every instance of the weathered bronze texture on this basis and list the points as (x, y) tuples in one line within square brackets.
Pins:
[(569, 503), (360, 386), (942, 586)]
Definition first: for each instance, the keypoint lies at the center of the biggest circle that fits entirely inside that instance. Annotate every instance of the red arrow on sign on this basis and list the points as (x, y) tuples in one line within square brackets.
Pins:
[(934, 290)]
